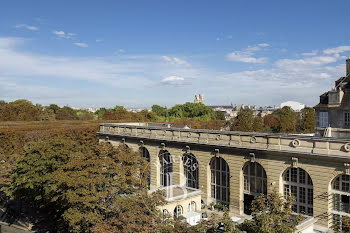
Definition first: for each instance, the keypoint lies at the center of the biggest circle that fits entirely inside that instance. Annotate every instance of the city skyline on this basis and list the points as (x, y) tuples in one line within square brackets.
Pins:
[(137, 54)]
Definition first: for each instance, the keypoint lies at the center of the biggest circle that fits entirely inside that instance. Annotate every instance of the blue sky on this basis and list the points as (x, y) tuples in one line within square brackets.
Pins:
[(139, 53)]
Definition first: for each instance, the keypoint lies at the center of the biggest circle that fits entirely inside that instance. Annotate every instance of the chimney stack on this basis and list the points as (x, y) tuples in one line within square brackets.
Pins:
[(348, 66)]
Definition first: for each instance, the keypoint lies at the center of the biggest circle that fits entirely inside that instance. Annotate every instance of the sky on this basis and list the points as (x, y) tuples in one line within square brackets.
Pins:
[(139, 53)]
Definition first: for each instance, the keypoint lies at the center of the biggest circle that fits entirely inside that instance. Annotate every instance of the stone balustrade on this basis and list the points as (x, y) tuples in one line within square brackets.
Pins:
[(247, 140)]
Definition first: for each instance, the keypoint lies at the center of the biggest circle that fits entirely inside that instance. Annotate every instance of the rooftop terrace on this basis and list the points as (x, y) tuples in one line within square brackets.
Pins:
[(300, 144)]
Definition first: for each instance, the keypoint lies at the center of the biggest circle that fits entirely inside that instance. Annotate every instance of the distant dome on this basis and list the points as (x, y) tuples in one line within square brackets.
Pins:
[(296, 106)]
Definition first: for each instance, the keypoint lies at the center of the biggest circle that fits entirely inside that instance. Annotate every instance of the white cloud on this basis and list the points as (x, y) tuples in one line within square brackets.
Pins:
[(173, 81), (29, 27), (83, 45), (263, 45), (99, 40), (312, 53), (62, 34), (247, 55), (175, 61), (337, 50)]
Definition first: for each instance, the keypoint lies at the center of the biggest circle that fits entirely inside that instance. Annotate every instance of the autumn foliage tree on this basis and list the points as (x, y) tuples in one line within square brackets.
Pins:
[(272, 214)]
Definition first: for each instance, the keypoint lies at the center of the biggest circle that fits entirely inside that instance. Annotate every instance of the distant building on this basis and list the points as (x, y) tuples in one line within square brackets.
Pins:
[(231, 111), (333, 111), (296, 106), (199, 99)]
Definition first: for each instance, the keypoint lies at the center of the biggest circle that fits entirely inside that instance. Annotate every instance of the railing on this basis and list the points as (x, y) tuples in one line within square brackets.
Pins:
[(262, 141)]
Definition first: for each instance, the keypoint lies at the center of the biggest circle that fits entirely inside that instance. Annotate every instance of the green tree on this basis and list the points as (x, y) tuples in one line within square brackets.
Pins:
[(244, 121), (306, 122), (160, 111), (220, 116), (286, 119)]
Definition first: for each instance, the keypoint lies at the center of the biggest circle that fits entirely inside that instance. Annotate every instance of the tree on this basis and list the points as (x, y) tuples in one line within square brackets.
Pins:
[(66, 113), (271, 123), (244, 121), (160, 111), (258, 124), (272, 214), (306, 122), (33, 175), (286, 119), (220, 116), (54, 108)]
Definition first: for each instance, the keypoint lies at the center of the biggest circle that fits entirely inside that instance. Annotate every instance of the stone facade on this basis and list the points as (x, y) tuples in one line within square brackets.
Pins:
[(322, 159), (334, 109)]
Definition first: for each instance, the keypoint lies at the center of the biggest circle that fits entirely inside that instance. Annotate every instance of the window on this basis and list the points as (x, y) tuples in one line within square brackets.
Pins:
[(145, 154), (298, 183), (340, 199), (190, 170), (220, 181), (323, 119), (178, 211), (255, 180), (347, 118), (192, 206), (166, 168)]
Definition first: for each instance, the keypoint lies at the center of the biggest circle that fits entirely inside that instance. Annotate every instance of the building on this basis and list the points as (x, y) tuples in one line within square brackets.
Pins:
[(296, 106), (231, 111), (333, 111), (232, 168), (199, 99)]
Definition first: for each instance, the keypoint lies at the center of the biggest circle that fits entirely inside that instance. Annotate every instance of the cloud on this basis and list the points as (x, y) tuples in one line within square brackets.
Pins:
[(337, 50), (313, 53), (99, 40), (29, 27), (62, 34), (82, 45), (173, 81), (247, 55), (175, 61), (263, 45), (157, 79)]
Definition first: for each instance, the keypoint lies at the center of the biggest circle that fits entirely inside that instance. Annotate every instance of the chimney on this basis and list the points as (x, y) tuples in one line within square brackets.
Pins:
[(348, 66)]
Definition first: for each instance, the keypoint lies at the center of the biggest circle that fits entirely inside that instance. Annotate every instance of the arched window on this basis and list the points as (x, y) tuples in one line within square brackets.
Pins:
[(220, 181), (340, 199), (178, 211), (166, 168), (165, 215), (297, 182), (255, 180), (145, 154), (190, 170), (192, 206)]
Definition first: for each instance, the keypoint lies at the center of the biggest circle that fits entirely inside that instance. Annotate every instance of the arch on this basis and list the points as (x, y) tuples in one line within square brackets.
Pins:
[(190, 164), (255, 179), (340, 193), (166, 168), (298, 183), (178, 211), (192, 207), (220, 180), (254, 183), (145, 154)]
